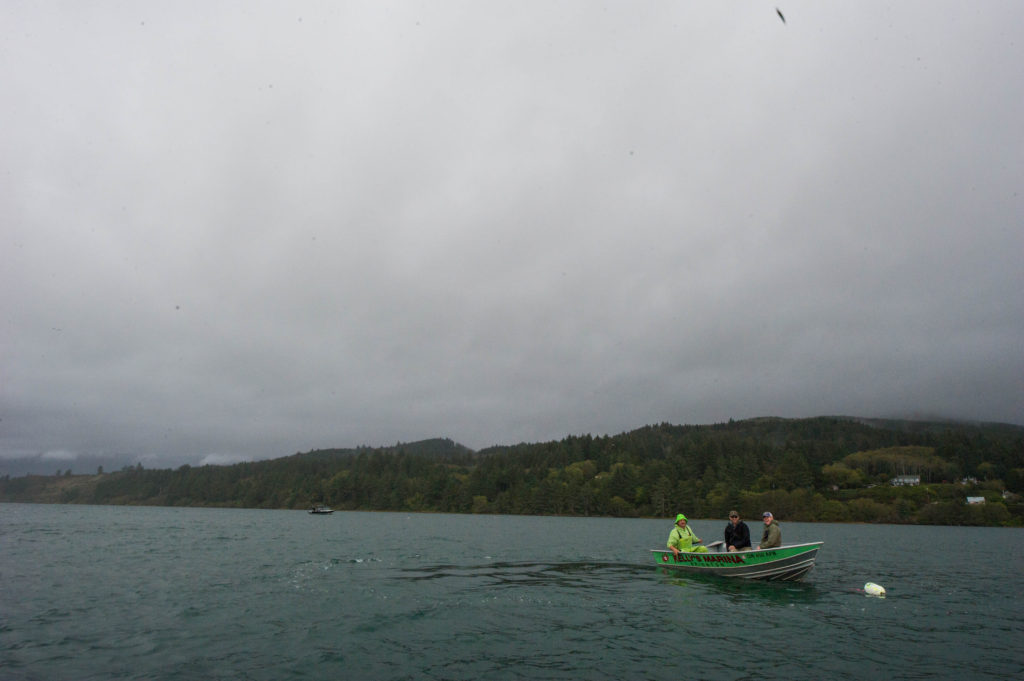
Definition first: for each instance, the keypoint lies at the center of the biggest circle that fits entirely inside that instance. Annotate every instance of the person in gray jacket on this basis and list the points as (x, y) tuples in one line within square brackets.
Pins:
[(772, 536)]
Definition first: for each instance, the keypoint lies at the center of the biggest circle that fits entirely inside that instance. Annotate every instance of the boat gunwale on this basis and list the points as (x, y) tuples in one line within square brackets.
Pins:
[(817, 544)]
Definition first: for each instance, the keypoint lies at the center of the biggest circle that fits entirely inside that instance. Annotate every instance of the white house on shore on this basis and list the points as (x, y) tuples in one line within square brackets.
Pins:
[(975, 500), (905, 480)]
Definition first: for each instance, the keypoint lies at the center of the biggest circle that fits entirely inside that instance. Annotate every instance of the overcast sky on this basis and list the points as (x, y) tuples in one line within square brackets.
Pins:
[(237, 230)]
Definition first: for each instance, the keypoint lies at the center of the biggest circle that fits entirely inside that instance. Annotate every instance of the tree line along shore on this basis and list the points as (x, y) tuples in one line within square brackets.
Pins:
[(825, 469)]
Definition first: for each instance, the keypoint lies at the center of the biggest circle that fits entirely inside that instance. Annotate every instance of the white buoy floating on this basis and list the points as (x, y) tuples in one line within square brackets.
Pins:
[(872, 589)]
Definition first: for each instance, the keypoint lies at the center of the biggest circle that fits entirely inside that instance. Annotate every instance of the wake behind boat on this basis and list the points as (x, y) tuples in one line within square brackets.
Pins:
[(787, 563)]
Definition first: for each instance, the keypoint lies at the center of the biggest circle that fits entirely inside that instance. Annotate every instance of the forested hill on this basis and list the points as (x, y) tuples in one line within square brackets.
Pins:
[(819, 469), (437, 447)]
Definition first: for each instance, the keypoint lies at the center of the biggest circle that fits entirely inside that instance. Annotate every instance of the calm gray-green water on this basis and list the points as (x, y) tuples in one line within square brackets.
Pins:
[(96, 592)]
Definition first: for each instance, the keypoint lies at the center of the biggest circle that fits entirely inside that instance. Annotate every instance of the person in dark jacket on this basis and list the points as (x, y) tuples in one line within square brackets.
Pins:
[(772, 536), (737, 534)]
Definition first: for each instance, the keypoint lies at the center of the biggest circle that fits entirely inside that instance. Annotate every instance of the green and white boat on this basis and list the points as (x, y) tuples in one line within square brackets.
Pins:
[(785, 563)]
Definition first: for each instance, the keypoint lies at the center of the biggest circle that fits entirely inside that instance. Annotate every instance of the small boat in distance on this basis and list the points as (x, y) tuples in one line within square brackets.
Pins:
[(786, 563), (321, 510)]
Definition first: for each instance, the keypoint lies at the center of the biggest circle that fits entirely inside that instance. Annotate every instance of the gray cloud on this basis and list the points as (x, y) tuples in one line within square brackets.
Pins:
[(243, 231)]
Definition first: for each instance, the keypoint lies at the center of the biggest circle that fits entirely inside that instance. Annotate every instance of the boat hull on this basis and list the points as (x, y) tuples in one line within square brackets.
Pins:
[(785, 563)]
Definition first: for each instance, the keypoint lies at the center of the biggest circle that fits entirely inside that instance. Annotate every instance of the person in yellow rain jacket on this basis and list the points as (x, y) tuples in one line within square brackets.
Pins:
[(683, 538)]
